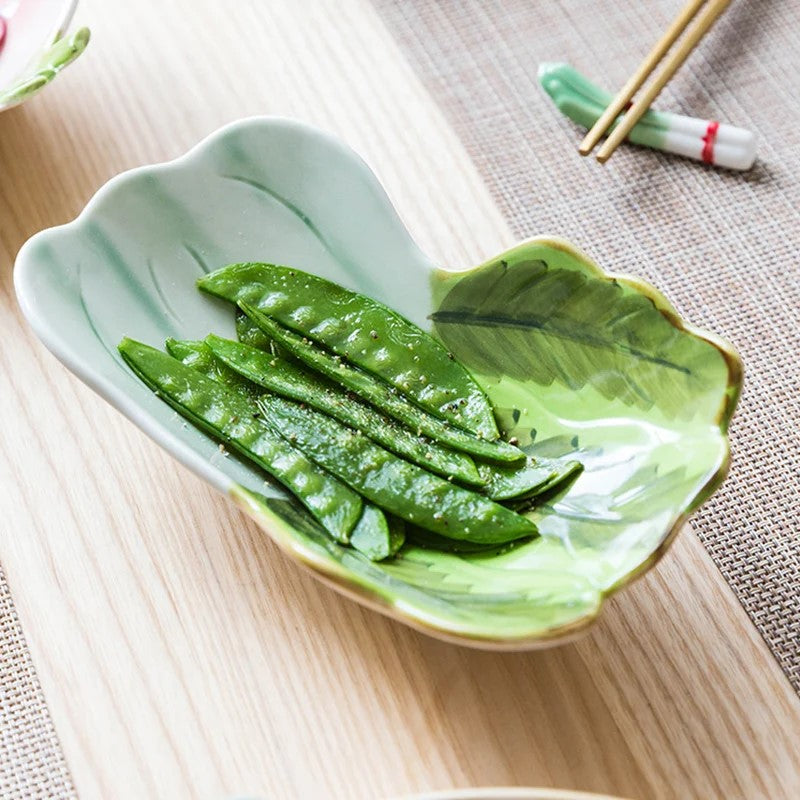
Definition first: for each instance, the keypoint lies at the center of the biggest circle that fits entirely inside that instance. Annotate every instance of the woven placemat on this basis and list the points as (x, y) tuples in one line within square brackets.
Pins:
[(32, 766), (723, 246)]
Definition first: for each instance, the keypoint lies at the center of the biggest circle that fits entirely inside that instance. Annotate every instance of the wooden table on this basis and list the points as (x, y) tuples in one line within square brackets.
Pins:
[(182, 656)]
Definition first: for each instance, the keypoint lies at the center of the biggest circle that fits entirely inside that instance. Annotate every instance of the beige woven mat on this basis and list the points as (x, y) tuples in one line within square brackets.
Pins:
[(32, 766), (724, 247)]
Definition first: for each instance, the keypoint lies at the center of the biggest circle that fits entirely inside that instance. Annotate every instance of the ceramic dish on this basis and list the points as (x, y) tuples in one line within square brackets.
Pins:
[(579, 363), (35, 48)]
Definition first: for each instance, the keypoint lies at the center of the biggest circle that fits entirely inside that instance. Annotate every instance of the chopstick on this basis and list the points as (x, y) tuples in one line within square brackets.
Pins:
[(705, 19), (636, 80)]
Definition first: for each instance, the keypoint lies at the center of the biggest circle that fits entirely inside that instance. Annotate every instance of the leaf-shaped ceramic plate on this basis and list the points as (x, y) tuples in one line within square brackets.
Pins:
[(578, 362), (34, 47)]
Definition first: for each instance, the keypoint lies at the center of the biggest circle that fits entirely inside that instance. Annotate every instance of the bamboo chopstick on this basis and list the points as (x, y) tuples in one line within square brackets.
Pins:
[(636, 80), (705, 19)]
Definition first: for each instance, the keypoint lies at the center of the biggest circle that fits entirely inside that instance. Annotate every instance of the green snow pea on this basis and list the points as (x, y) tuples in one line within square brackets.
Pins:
[(569, 472), (533, 477), (198, 355), (367, 333), (380, 394), (565, 474), (397, 486), (378, 535), (227, 415), (297, 382), (247, 332)]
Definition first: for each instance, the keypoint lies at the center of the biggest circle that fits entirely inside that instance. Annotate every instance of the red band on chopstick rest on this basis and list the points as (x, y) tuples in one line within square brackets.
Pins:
[(2, 31), (708, 142)]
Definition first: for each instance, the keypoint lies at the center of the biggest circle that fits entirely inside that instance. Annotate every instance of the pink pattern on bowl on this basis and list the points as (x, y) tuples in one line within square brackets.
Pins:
[(30, 27)]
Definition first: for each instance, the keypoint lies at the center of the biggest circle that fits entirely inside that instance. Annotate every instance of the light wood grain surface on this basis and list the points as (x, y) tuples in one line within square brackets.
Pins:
[(182, 656)]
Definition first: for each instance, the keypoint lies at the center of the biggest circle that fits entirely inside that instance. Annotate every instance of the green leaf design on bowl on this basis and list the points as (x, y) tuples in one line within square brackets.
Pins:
[(59, 55), (543, 314), (580, 364)]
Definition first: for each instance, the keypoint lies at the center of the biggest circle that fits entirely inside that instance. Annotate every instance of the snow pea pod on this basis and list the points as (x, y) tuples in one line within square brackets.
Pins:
[(198, 356), (227, 415), (247, 332), (366, 332), (296, 381), (568, 471), (536, 475), (397, 486), (378, 535), (380, 394), (564, 475)]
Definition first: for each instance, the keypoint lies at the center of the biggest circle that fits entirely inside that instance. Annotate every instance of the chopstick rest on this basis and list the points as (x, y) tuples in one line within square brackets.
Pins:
[(709, 141)]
